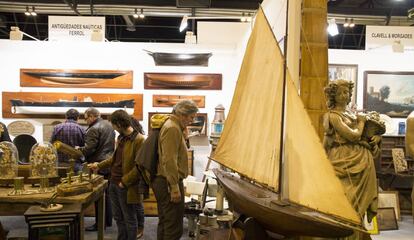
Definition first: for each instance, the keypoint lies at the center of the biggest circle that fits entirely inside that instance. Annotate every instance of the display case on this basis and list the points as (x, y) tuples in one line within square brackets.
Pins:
[(8, 160), (43, 160)]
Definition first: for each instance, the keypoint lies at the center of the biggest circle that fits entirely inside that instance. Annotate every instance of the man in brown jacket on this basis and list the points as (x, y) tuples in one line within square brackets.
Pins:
[(172, 169), (123, 188)]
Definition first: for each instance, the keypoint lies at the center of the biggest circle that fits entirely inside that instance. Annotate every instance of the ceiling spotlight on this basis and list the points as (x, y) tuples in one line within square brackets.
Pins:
[(346, 24), (135, 15), (352, 24), (184, 23), (141, 15), (33, 13), (248, 18), (27, 13), (332, 27)]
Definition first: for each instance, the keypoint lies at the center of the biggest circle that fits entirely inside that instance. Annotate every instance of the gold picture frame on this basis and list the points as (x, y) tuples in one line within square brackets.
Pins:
[(387, 199), (386, 219)]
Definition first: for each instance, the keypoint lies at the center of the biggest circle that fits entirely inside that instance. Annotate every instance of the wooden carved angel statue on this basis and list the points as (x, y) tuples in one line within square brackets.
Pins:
[(351, 142)]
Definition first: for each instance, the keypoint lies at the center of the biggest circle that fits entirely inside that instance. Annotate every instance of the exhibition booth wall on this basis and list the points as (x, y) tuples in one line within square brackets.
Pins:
[(225, 60)]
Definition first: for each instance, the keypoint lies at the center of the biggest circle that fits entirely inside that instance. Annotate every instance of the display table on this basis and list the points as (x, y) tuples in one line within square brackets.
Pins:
[(18, 205), (62, 224)]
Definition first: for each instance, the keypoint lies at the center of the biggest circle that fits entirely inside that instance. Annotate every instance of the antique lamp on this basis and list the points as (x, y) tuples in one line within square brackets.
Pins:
[(218, 122)]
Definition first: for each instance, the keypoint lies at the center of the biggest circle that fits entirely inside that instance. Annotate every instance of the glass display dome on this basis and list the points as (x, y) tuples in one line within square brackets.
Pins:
[(43, 158), (9, 157)]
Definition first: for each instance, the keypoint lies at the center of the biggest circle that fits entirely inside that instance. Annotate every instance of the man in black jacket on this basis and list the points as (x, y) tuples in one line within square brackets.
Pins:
[(99, 146)]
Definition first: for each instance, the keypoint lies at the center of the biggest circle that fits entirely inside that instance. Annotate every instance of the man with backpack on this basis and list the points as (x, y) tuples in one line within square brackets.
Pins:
[(172, 168)]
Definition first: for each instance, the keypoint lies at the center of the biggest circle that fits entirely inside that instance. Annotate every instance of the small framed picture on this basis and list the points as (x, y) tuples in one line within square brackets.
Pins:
[(386, 219), (346, 72), (389, 199)]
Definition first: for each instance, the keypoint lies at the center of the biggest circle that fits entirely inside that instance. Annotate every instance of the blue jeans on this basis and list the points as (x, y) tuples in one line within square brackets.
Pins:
[(125, 214)]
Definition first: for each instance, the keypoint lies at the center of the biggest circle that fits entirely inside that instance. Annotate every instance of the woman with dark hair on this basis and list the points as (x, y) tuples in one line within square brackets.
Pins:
[(349, 151)]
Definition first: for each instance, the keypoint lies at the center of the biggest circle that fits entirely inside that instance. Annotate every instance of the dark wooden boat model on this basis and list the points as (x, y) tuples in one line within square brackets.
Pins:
[(116, 104), (275, 216), (75, 78), (180, 59), (34, 107)]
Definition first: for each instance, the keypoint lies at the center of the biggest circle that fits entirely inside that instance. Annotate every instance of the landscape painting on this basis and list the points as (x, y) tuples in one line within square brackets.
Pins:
[(390, 93)]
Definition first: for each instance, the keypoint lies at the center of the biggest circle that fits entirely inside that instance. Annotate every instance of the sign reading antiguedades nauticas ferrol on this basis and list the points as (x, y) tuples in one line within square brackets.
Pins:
[(380, 36), (76, 28)]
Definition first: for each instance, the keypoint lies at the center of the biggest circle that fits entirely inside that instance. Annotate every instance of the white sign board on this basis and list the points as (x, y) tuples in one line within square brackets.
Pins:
[(380, 36), (68, 28)]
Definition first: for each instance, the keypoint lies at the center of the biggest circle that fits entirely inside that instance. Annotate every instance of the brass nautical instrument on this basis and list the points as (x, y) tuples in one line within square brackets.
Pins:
[(66, 149)]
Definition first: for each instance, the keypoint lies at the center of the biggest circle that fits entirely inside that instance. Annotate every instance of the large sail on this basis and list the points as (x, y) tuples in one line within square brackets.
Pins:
[(311, 180), (250, 142)]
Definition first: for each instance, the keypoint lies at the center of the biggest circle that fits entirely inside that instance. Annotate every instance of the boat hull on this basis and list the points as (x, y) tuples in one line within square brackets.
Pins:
[(288, 220)]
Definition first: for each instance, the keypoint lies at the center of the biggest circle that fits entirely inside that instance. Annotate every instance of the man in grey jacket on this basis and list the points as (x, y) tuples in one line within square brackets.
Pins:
[(99, 146)]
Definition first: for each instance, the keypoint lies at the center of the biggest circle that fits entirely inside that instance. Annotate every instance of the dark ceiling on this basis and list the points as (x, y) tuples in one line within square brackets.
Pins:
[(155, 28)]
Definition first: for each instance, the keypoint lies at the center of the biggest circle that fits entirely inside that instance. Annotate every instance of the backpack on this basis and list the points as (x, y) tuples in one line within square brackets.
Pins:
[(147, 157)]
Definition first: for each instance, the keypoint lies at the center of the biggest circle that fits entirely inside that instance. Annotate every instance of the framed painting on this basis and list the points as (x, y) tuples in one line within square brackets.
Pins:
[(390, 93), (386, 219), (346, 72), (197, 128), (388, 199)]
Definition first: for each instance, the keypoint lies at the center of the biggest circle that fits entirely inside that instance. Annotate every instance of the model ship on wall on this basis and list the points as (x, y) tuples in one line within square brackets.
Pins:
[(36, 107), (287, 183), (180, 59), (55, 104), (202, 81), (69, 78)]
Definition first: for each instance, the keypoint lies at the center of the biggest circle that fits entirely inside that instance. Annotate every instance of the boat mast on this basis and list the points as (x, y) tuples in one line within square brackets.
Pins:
[(283, 187), (314, 59)]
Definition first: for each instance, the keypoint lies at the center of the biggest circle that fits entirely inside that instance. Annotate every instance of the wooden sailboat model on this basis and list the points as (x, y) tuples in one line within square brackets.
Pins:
[(287, 182)]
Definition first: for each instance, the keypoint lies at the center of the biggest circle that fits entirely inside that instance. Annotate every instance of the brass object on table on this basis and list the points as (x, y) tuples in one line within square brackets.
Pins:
[(18, 184), (19, 187), (66, 149), (49, 206), (74, 185), (43, 158)]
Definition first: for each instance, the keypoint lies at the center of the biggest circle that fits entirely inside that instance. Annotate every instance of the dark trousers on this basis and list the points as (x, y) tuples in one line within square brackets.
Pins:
[(140, 215), (125, 214), (170, 215), (108, 209)]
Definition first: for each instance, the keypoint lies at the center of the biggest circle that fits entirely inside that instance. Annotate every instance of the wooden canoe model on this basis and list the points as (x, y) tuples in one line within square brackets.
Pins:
[(182, 81), (75, 78), (284, 179)]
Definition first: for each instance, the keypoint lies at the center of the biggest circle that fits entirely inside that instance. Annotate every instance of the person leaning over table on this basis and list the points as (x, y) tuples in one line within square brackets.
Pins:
[(99, 145), (123, 188)]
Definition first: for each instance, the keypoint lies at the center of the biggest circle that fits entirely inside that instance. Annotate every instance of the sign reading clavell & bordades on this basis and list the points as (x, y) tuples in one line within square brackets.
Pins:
[(379, 36)]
